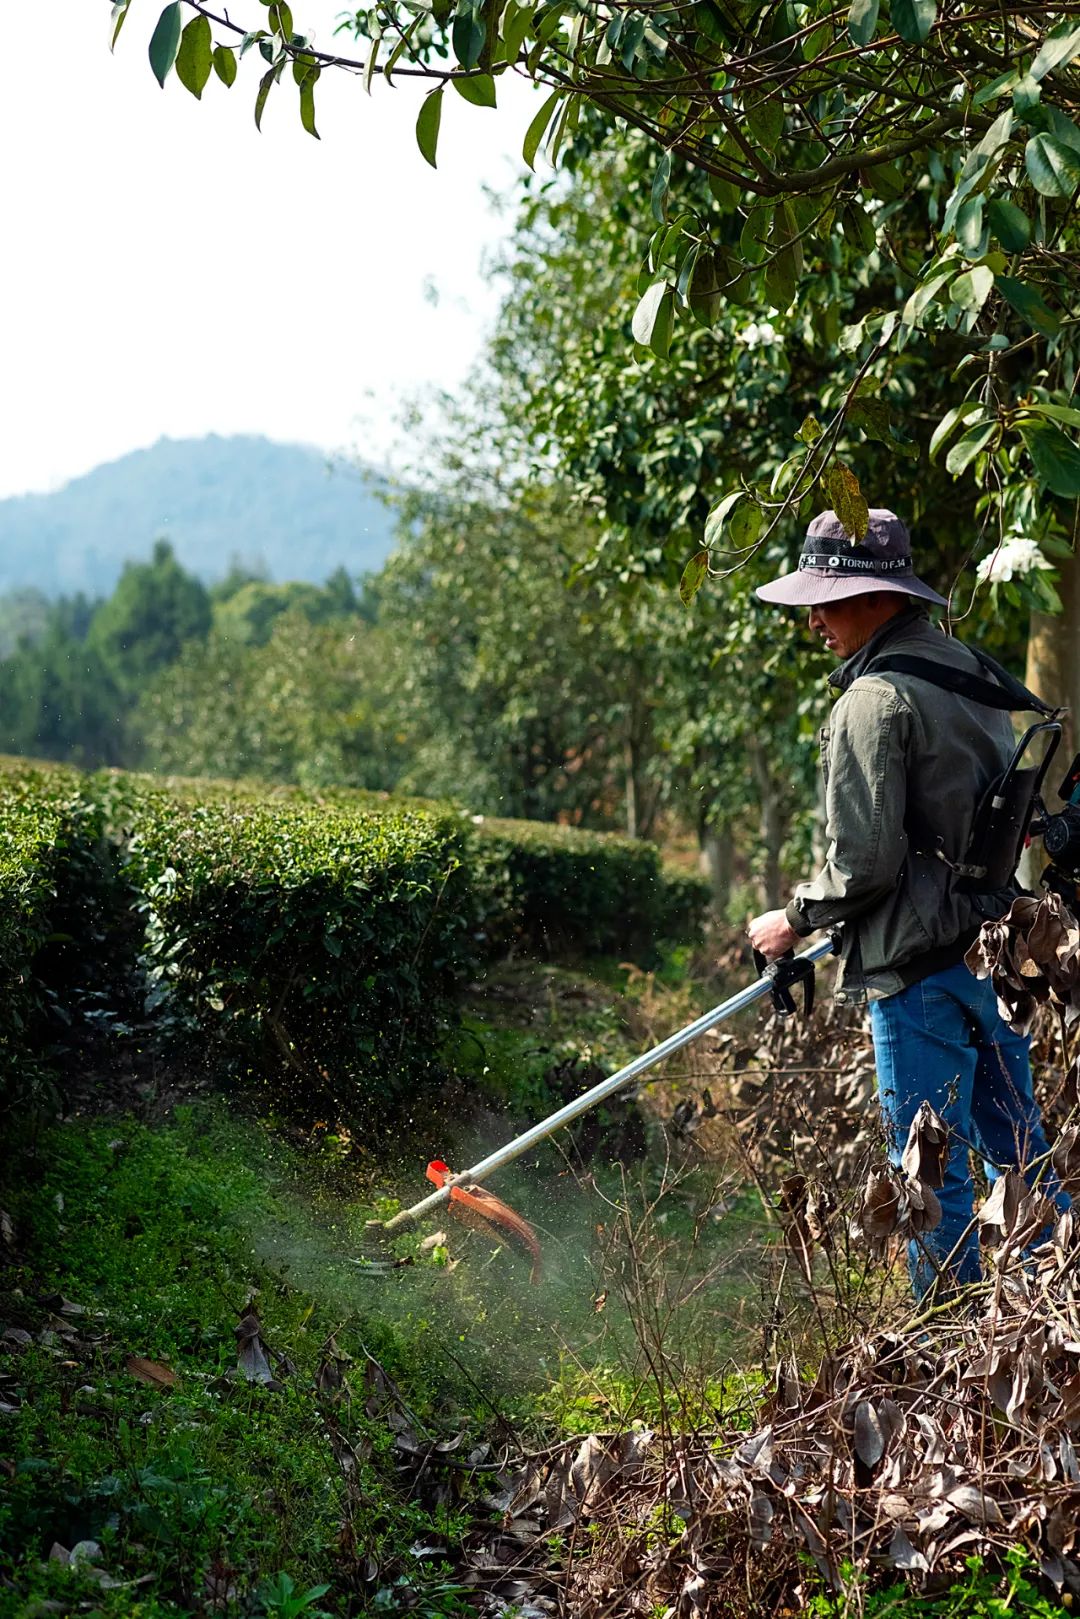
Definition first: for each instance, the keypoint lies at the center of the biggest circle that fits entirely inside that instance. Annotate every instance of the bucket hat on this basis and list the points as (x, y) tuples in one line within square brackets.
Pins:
[(833, 566)]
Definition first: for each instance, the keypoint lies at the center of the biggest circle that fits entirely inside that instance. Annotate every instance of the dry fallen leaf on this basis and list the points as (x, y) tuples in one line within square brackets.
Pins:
[(153, 1372), (251, 1351)]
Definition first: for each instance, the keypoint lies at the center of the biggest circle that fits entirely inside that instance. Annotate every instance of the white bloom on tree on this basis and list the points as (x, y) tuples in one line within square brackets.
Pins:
[(1015, 555), (758, 334)]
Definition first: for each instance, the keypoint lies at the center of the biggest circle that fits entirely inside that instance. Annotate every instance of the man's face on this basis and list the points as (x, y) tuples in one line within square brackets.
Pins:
[(846, 626)]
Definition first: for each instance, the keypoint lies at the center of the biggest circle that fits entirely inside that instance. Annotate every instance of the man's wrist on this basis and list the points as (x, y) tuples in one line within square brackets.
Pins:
[(796, 920)]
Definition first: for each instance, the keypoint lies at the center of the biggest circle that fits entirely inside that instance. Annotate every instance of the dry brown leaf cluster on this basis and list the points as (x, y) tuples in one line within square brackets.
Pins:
[(910, 1451), (1032, 958)]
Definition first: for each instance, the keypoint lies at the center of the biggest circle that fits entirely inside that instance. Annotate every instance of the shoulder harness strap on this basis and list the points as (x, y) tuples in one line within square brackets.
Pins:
[(1004, 692)]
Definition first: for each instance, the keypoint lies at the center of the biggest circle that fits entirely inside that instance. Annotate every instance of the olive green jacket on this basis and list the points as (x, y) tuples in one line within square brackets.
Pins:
[(905, 764)]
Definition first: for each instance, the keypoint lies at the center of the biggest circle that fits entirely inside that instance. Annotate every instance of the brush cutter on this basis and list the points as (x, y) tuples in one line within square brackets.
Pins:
[(777, 979)]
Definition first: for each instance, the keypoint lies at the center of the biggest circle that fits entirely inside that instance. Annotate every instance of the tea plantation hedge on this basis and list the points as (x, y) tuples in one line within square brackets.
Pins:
[(546, 888), (59, 934), (317, 938)]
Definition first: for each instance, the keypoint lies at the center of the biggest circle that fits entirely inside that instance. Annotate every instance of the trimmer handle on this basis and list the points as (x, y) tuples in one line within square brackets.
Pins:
[(784, 973)]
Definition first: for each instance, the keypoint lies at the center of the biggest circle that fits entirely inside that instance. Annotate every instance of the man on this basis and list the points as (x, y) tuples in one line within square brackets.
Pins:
[(905, 764)]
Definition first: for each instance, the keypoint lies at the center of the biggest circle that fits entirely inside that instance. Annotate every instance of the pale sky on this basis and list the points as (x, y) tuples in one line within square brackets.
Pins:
[(169, 270)]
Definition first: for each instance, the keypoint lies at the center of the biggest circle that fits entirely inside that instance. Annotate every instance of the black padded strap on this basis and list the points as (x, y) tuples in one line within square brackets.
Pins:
[(1005, 692)]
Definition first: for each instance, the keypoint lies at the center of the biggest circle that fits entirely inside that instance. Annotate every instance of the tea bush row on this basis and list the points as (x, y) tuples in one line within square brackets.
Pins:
[(317, 939), (42, 820), (548, 889)]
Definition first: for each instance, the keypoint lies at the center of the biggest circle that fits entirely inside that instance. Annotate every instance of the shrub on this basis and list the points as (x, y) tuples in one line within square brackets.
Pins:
[(549, 888), (318, 935), (42, 825), (323, 945), (586, 891)]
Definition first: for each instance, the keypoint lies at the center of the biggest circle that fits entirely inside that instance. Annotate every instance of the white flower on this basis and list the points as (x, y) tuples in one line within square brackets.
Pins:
[(1014, 555), (758, 335)]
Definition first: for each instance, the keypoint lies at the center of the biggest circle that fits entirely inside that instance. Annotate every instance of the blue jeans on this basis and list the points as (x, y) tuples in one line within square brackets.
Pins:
[(943, 1042)]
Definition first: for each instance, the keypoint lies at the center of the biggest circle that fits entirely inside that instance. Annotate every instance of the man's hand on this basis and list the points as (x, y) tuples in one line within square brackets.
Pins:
[(772, 934)]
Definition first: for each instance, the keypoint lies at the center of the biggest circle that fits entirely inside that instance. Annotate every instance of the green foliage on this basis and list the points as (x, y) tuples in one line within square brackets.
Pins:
[(869, 190), (58, 697), (49, 836), (154, 611), (316, 939), (320, 946), (984, 1593), (589, 892), (280, 692), (213, 1484), (31, 821)]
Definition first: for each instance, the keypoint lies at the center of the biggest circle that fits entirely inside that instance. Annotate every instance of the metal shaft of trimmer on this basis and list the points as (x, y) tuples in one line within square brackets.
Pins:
[(573, 1110)]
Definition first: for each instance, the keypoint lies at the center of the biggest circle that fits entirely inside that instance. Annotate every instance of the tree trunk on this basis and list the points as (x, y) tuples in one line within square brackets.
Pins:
[(718, 864), (1053, 658), (772, 824), (640, 801), (1053, 673), (819, 843)]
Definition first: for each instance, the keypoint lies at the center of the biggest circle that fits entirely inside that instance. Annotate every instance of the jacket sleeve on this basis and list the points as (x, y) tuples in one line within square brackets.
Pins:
[(865, 800)]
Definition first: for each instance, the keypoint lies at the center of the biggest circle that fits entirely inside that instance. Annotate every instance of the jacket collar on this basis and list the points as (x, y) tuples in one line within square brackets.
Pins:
[(900, 624)]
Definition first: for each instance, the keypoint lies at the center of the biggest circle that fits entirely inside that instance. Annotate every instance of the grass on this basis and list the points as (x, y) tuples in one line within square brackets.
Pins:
[(219, 1489), (215, 1482)]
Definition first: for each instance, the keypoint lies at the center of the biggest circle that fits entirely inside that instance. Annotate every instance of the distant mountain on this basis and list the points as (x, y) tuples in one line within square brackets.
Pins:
[(214, 498)]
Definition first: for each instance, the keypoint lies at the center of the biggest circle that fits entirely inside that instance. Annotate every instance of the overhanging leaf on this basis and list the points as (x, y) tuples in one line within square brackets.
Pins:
[(745, 525), (1058, 48), (427, 124), (1055, 457), (645, 315), (468, 35), (720, 514), (1009, 224), (971, 289), (964, 451), (478, 88), (165, 42), (862, 20), (264, 90), (661, 181), (693, 576), (765, 121), (538, 127), (847, 500), (1057, 413), (784, 269), (913, 19), (1053, 167), (307, 101), (1029, 305), (195, 58), (959, 413), (119, 17), (225, 64), (969, 227)]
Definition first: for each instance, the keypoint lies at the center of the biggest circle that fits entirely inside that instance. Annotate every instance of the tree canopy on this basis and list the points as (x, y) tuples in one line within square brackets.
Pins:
[(875, 174)]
